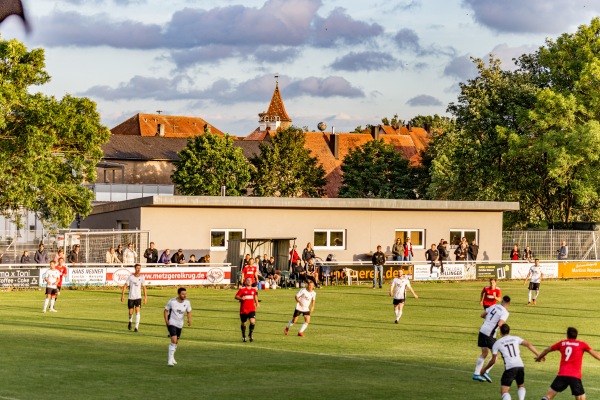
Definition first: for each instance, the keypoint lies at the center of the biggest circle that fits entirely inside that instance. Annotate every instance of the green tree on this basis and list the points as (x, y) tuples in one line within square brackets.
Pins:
[(207, 163), (48, 147), (377, 170), (285, 168)]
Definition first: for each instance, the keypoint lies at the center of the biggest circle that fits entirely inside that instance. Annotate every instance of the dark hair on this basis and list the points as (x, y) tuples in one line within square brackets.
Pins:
[(505, 329), (506, 299), (137, 265), (181, 289), (571, 333)]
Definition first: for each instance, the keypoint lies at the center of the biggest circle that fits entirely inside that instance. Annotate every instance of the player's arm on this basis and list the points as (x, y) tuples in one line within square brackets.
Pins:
[(189, 318), (482, 296), (526, 278), (501, 322), (166, 314), (238, 297), (123, 292), (312, 305), (530, 347), (499, 297), (594, 354), (145, 294), (392, 289), (484, 314), (256, 304), (413, 292), (542, 355), (489, 364)]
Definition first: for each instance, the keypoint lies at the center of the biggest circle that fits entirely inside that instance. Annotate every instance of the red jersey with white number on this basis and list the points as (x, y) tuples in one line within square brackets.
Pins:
[(249, 271), (247, 304), (63, 272), (571, 357), (489, 299)]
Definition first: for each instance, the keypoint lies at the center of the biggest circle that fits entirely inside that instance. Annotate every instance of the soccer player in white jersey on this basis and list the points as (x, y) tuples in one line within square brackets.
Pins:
[(494, 317), (51, 277), (535, 276), (305, 305), (514, 369), (136, 282), (175, 310), (398, 291)]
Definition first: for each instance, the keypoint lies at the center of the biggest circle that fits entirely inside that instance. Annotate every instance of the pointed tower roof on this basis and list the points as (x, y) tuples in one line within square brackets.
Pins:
[(276, 108)]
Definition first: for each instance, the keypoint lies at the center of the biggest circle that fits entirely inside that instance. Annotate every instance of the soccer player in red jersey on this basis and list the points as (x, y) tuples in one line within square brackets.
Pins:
[(248, 298), (569, 373), (490, 295), (250, 271), (62, 268)]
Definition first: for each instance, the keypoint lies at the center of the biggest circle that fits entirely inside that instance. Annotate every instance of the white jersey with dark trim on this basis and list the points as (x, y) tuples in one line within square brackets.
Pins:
[(306, 298), (399, 286), (135, 284), (536, 274), (495, 314), (52, 277), (509, 347), (177, 311)]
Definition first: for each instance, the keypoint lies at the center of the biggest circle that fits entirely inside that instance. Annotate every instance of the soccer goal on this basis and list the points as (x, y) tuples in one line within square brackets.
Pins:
[(95, 244)]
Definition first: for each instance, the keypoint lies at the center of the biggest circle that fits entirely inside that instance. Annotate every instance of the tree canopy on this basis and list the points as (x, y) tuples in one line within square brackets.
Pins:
[(48, 147), (531, 135), (208, 162), (285, 168), (376, 169)]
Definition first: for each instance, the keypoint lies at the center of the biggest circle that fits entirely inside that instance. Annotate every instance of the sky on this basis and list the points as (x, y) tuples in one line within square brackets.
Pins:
[(344, 62)]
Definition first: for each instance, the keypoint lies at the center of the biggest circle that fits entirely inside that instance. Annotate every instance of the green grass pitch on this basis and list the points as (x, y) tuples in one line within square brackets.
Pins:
[(352, 348)]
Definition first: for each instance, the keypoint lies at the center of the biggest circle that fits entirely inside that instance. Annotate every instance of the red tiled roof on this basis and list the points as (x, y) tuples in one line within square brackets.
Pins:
[(175, 126), (276, 108)]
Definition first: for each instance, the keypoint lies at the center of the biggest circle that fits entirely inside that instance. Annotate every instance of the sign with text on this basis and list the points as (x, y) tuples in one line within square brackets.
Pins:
[(496, 271), (172, 276), (520, 270), (580, 269), (82, 276), (19, 277)]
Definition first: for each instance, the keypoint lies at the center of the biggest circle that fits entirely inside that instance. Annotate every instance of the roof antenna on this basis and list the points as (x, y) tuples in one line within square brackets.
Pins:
[(159, 111), (276, 79)]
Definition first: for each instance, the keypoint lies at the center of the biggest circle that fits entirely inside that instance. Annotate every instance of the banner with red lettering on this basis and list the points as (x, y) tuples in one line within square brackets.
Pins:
[(166, 276)]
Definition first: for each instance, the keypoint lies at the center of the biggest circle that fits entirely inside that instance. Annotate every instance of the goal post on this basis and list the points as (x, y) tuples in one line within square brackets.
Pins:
[(93, 245)]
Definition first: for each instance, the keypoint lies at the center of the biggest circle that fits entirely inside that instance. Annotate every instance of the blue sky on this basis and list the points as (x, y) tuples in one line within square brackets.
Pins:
[(346, 63)]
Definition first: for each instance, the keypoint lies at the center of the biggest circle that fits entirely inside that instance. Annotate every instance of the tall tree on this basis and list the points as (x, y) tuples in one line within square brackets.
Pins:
[(48, 147), (285, 168), (207, 163), (377, 170)]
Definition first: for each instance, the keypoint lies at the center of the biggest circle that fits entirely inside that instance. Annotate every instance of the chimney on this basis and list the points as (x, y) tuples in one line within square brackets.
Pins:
[(375, 132), (409, 126), (428, 128), (160, 130), (207, 128), (334, 144)]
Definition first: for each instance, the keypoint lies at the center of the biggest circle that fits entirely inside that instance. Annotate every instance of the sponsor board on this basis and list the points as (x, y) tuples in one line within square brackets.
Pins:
[(497, 271), (81, 276), (581, 269), (422, 272), (19, 277), (452, 272), (366, 272), (520, 270), (172, 276)]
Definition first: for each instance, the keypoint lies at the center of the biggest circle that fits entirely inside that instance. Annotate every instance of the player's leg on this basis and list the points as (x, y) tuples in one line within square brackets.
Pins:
[(536, 294), (521, 384), (52, 300), (504, 393), (243, 318), (304, 325), (252, 324), (137, 317), (481, 359), (292, 321), (130, 314), (46, 300), (399, 309), (173, 345)]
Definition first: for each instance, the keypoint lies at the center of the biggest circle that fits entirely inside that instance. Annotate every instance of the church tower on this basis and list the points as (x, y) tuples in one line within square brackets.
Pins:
[(276, 117)]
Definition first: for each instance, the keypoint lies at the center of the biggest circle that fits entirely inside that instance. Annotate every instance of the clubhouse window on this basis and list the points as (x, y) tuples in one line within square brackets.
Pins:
[(456, 236), (220, 237), (417, 237), (329, 239)]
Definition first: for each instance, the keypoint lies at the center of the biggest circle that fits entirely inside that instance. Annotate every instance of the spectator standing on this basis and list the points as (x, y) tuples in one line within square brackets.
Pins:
[(178, 258), (515, 254), (473, 250), (111, 256), (41, 255), (308, 253), (130, 255), (408, 250), (165, 257), (443, 252), (151, 254), (398, 250), (25, 259), (294, 257), (432, 255), (312, 271), (461, 252), (563, 252), (59, 254), (527, 254), (378, 263), (75, 257), (119, 252)]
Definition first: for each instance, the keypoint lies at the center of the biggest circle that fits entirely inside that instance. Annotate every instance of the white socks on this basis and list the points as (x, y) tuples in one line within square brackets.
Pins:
[(52, 304), (521, 393), (172, 349), (398, 314), (303, 327), (137, 320), (506, 396), (289, 325), (529, 298), (46, 303), (479, 365)]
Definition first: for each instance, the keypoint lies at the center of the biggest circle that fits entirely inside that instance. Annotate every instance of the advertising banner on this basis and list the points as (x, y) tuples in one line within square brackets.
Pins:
[(580, 269), (172, 276), (520, 270), (452, 272), (422, 272), (19, 277), (82, 276), (366, 272), (497, 271)]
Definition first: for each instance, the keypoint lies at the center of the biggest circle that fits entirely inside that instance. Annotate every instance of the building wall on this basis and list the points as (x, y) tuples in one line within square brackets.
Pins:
[(188, 227), (139, 172), (110, 220)]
